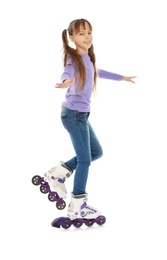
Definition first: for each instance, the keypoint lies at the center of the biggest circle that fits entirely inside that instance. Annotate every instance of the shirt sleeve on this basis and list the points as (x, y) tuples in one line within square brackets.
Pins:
[(109, 75), (69, 71)]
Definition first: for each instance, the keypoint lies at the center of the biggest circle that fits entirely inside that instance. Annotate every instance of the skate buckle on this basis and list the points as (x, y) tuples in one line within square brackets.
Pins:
[(61, 180)]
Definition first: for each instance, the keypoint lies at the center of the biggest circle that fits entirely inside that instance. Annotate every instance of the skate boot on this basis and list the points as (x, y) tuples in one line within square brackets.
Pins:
[(56, 177), (78, 208), (53, 183), (79, 213)]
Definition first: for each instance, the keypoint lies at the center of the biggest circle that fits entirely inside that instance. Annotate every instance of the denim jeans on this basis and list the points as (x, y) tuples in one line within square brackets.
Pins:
[(85, 143)]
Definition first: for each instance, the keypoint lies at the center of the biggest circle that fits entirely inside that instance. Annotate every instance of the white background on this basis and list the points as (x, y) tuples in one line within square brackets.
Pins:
[(129, 183)]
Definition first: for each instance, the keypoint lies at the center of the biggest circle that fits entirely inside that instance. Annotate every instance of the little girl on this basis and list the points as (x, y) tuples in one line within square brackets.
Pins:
[(79, 77)]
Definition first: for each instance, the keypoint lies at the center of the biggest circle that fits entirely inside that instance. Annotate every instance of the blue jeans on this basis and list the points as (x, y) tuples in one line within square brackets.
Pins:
[(85, 143)]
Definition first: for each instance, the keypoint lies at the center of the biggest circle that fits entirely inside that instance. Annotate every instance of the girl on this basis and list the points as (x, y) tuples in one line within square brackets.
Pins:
[(79, 77)]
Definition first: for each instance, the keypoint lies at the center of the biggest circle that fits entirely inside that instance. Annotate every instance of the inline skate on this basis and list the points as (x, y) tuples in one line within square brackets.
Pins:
[(79, 213), (53, 183)]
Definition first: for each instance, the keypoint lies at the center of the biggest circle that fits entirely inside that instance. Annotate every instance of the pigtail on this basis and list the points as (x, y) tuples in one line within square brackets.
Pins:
[(93, 59), (65, 46), (68, 51)]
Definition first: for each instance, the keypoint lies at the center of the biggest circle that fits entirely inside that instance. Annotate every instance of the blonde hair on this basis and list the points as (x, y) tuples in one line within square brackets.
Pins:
[(69, 52)]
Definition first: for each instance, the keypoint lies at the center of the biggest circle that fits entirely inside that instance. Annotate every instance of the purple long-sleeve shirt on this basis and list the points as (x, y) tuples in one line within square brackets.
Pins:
[(81, 99)]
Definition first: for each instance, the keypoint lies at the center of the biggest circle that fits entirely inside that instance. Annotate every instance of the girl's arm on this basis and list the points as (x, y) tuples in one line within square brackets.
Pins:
[(114, 76), (67, 78)]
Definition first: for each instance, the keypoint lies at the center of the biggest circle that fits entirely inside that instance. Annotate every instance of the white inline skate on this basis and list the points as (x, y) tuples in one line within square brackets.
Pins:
[(56, 177), (79, 213), (78, 208), (53, 184)]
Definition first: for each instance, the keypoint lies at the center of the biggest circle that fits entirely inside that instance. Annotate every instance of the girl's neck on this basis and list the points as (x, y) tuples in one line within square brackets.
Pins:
[(82, 52)]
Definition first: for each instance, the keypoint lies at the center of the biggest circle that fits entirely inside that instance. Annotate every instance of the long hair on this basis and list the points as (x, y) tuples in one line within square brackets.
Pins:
[(69, 52)]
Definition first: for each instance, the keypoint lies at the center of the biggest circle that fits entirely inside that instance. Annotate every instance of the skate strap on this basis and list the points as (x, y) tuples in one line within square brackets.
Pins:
[(59, 180), (91, 209), (68, 168), (83, 205)]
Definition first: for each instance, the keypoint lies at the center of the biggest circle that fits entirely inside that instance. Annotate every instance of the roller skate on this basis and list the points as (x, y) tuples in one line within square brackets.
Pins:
[(53, 183), (79, 213)]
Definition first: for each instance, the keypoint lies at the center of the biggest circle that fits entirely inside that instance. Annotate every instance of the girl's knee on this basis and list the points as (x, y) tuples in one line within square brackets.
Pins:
[(99, 154)]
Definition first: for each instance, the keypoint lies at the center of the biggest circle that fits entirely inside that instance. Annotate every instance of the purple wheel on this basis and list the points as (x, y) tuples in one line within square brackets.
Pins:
[(52, 196), (61, 206), (36, 180), (100, 220), (44, 189), (77, 223), (89, 222), (66, 224)]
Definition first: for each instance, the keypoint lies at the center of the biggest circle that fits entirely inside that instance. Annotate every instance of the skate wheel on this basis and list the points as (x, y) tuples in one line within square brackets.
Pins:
[(100, 220), (52, 197), (61, 206), (89, 223), (77, 223), (43, 189), (36, 180), (66, 224)]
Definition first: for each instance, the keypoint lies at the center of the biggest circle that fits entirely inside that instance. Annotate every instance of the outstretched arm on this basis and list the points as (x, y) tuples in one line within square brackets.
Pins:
[(114, 76)]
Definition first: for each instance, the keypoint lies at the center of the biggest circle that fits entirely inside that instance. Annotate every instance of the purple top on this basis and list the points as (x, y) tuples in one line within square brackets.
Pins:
[(80, 99)]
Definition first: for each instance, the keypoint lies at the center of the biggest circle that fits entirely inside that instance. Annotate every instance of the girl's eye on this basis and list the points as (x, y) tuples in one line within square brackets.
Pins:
[(84, 33)]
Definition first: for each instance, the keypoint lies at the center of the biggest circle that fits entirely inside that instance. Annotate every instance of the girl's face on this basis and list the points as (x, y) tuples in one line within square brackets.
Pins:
[(82, 39)]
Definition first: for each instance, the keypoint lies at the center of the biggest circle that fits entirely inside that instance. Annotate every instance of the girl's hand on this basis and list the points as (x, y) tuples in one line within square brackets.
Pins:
[(129, 79), (67, 83)]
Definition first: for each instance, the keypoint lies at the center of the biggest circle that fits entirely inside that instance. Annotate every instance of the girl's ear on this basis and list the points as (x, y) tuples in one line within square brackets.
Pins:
[(71, 38)]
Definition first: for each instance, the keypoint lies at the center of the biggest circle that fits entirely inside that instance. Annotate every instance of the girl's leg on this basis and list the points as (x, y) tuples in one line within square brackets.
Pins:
[(95, 146), (72, 163), (77, 125), (81, 143), (85, 143)]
